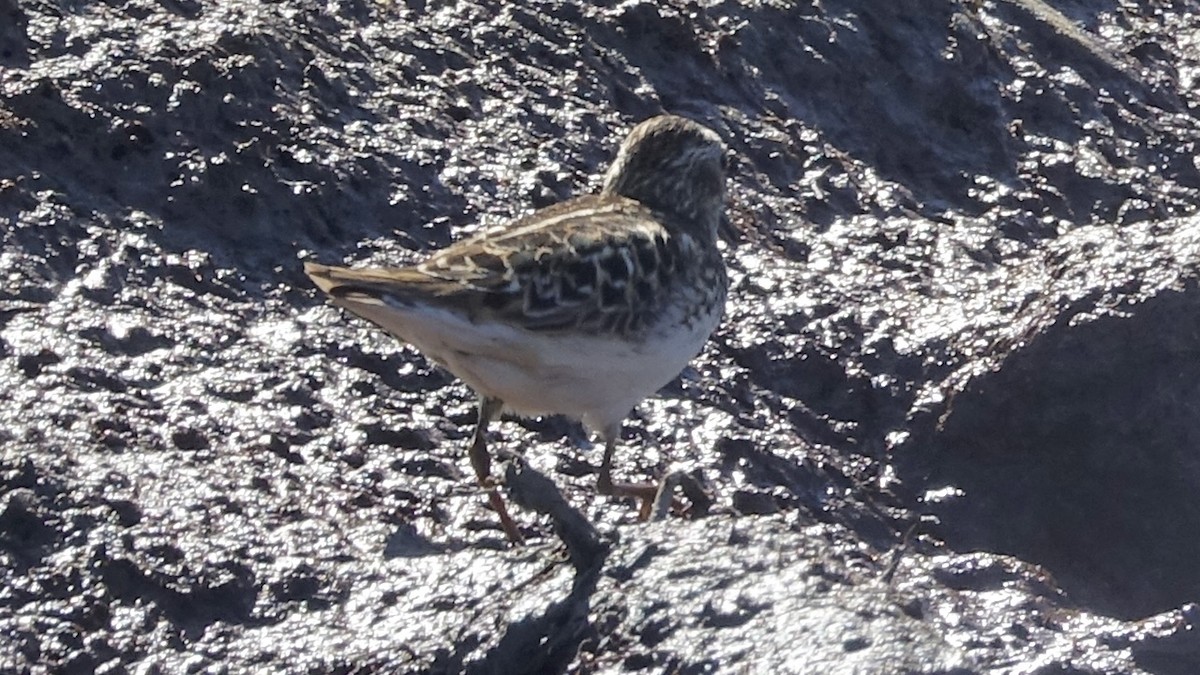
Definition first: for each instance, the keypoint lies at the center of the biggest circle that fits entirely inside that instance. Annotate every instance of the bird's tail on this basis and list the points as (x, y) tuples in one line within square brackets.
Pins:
[(364, 284)]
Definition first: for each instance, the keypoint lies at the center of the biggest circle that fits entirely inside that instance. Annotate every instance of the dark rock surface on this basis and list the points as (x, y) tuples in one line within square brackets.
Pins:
[(950, 421)]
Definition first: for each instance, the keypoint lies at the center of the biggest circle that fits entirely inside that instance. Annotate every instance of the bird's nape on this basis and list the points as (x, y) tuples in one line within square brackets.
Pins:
[(675, 166)]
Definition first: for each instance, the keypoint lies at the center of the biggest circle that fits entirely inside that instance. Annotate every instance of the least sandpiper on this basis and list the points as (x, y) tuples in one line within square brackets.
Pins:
[(581, 309)]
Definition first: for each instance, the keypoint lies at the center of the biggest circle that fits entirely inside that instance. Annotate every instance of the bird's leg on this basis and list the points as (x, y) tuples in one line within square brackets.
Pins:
[(489, 408), (646, 492), (604, 484)]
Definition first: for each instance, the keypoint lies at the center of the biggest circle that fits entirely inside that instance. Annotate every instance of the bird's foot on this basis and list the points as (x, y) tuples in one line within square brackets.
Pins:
[(658, 499), (506, 522), (492, 487)]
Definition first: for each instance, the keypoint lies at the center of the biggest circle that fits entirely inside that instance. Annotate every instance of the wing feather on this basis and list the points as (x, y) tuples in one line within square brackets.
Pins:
[(596, 262)]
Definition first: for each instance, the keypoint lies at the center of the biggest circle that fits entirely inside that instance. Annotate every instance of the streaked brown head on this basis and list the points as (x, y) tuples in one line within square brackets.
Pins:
[(675, 166)]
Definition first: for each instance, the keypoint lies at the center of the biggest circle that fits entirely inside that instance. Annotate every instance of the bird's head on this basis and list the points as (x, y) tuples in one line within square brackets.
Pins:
[(675, 166)]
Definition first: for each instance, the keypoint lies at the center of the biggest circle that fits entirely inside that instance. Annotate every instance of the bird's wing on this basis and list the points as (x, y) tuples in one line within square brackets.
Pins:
[(593, 263)]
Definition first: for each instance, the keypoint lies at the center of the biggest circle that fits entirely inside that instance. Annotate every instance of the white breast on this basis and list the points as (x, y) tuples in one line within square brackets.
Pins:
[(594, 378)]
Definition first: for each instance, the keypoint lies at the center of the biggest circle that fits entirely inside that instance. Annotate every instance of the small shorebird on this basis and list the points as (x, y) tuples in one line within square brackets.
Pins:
[(581, 309)]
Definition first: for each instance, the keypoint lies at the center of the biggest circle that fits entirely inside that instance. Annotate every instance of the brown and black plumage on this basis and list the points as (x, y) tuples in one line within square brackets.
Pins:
[(583, 308)]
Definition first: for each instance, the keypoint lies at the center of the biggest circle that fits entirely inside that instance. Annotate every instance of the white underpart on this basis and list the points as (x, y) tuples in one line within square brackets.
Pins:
[(594, 378)]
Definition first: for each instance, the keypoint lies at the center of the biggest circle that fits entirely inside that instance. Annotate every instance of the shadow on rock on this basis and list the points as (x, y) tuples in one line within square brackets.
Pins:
[(547, 642), (1079, 454)]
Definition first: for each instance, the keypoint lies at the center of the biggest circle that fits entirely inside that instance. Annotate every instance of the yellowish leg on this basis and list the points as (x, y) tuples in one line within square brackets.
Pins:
[(645, 492), (481, 461)]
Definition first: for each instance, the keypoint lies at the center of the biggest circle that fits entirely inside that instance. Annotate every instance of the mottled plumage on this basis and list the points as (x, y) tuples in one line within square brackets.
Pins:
[(583, 308)]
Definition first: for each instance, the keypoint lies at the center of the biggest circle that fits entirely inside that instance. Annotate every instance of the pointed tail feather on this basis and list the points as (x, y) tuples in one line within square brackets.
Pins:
[(321, 275), (368, 282)]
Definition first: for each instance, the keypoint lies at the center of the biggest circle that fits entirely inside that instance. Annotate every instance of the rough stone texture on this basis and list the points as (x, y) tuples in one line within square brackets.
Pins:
[(950, 421)]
